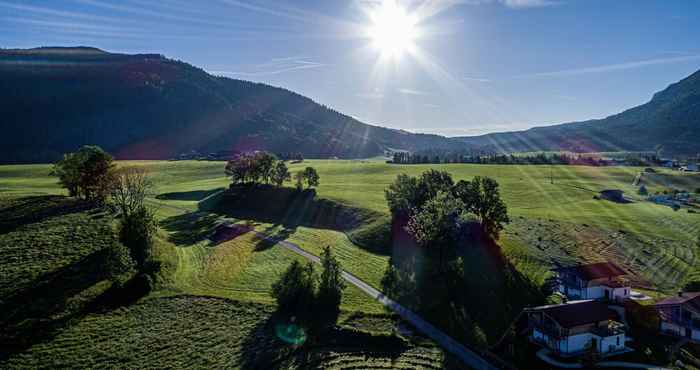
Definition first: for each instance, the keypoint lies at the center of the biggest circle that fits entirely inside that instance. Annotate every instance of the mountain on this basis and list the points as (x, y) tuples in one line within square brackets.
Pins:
[(671, 121), (146, 106)]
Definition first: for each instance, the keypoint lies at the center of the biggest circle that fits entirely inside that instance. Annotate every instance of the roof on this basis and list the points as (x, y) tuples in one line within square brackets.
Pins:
[(576, 313), (690, 298), (594, 270)]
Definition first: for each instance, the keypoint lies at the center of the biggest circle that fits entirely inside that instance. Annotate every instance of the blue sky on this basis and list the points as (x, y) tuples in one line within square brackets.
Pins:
[(476, 66)]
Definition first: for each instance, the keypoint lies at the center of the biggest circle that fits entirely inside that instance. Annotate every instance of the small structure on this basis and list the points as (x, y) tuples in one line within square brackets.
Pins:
[(680, 315), (572, 329), (601, 280), (613, 195), (690, 167)]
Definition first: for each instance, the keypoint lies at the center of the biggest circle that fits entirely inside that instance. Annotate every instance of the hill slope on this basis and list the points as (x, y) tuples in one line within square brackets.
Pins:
[(671, 120), (146, 106)]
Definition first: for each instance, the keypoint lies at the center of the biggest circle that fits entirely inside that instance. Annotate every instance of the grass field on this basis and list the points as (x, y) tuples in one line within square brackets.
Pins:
[(555, 220), (205, 333)]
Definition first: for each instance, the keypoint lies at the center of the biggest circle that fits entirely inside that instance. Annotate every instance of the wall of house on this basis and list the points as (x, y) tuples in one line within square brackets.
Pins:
[(576, 343), (619, 294), (595, 292), (672, 328), (609, 344)]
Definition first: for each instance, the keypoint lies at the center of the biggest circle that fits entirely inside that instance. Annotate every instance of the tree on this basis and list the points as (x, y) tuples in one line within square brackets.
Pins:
[(280, 174), (407, 195), (87, 173), (439, 224), (482, 198), (403, 195), (330, 290), (295, 290), (308, 176), (643, 190), (136, 231), (251, 168), (129, 190), (312, 178)]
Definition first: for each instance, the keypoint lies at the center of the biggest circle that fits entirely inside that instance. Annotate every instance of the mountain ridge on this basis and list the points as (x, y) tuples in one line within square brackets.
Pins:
[(670, 121), (146, 106)]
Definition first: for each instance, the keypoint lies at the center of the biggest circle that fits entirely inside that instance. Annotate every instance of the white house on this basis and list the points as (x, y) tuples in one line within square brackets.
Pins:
[(571, 329), (680, 315), (593, 281)]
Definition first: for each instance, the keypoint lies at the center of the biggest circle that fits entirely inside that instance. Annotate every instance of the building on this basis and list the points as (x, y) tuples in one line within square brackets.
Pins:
[(680, 315), (571, 329), (593, 281)]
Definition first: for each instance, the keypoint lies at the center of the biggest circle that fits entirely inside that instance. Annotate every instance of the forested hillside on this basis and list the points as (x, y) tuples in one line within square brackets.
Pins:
[(146, 106), (670, 121)]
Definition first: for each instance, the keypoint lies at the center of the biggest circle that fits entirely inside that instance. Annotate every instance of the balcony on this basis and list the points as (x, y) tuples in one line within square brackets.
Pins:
[(609, 330)]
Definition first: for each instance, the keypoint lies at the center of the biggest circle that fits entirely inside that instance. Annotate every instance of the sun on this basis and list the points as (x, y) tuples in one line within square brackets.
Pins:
[(393, 30)]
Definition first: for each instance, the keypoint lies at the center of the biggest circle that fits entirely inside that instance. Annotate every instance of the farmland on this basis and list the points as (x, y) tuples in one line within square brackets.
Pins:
[(555, 220)]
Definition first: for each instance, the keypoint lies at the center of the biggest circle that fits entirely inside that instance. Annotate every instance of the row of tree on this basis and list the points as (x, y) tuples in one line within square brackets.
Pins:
[(311, 300), (440, 213), (262, 167), (91, 174), (533, 159)]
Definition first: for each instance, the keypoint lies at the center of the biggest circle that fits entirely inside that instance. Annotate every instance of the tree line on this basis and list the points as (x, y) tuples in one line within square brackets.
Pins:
[(438, 213), (261, 167), (91, 174), (530, 159)]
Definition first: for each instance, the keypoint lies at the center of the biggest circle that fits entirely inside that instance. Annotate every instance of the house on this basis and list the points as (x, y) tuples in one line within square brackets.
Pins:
[(690, 167), (601, 280), (571, 329), (680, 315)]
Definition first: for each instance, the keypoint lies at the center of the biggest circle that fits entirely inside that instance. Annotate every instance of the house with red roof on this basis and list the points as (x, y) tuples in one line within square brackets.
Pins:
[(603, 280), (573, 328), (680, 315)]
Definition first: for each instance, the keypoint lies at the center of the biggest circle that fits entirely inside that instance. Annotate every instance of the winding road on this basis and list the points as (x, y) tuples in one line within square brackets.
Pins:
[(469, 357)]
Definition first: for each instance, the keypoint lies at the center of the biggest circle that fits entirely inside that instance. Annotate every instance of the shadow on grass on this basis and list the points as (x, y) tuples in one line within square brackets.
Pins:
[(195, 195), (27, 210), (286, 209), (278, 343), (56, 299), (475, 296)]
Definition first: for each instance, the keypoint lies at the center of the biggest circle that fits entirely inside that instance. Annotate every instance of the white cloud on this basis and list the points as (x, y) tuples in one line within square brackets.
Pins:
[(612, 67), (517, 4), (477, 79), (274, 66), (406, 91)]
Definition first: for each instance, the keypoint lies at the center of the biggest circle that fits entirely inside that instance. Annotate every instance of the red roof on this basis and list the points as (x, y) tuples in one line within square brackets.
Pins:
[(594, 270), (691, 298), (576, 313)]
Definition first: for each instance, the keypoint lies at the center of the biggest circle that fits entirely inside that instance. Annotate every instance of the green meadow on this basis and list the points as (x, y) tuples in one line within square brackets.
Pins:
[(555, 219)]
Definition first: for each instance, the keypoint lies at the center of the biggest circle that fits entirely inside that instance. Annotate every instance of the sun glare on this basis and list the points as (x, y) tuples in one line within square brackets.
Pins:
[(393, 30)]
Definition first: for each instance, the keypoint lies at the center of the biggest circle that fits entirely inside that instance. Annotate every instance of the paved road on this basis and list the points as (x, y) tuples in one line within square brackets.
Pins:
[(466, 355)]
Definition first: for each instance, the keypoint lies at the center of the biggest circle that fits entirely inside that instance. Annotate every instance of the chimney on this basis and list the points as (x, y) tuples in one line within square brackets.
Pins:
[(680, 294)]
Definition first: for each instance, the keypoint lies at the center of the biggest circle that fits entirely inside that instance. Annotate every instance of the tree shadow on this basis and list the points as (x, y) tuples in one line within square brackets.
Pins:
[(290, 208), (474, 299), (195, 195), (190, 228), (27, 210), (54, 300)]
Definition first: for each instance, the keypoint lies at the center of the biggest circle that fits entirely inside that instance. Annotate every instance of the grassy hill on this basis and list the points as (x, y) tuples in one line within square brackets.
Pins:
[(671, 121), (146, 106)]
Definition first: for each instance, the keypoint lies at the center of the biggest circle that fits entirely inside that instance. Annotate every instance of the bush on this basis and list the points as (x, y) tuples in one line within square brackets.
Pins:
[(136, 233)]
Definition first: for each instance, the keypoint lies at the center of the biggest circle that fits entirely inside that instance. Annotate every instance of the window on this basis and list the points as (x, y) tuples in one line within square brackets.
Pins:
[(618, 341)]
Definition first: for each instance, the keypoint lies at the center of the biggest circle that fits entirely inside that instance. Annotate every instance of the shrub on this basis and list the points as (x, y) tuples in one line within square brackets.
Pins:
[(136, 233)]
